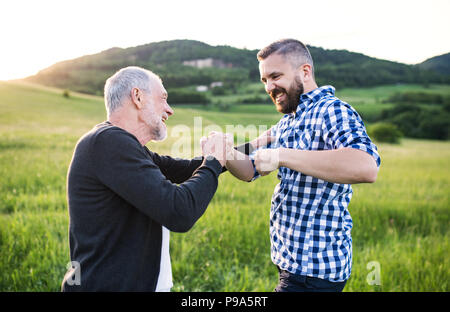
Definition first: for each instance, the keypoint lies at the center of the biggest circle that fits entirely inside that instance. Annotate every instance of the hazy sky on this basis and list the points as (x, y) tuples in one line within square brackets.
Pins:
[(36, 34)]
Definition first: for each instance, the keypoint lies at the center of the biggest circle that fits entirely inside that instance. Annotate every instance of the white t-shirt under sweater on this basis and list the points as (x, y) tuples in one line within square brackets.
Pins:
[(165, 271)]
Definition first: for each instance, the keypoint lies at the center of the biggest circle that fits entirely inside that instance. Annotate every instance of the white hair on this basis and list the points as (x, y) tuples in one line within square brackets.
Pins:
[(118, 87)]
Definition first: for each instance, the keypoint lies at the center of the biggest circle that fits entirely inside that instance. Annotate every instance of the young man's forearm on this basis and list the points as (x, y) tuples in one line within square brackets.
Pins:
[(344, 165), (240, 166)]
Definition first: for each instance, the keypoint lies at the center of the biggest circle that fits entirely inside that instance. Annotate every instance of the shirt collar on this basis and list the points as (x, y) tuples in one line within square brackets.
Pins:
[(313, 96)]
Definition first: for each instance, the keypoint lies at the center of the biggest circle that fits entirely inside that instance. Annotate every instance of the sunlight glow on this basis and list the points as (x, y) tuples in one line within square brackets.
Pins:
[(37, 34)]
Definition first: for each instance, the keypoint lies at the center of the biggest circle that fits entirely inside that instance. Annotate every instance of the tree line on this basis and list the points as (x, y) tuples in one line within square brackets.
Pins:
[(415, 115), (340, 68)]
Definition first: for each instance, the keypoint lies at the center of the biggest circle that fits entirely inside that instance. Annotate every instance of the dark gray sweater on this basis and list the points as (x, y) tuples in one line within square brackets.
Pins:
[(119, 196)]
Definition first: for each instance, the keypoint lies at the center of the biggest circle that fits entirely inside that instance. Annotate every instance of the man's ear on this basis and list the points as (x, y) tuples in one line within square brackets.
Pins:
[(136, 97), (307, 72)]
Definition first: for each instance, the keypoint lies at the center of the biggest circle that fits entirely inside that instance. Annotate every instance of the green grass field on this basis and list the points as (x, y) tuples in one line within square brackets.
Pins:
[(401, 221)]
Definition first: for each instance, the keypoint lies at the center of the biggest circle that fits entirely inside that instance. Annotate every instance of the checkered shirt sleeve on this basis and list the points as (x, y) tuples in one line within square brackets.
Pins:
[(343, 127)]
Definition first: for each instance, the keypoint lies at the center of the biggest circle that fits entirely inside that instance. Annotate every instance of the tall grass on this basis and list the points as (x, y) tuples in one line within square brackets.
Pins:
[(401, 221)]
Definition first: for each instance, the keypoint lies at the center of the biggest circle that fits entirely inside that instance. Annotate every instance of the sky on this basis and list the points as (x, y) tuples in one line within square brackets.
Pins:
[(37, 34)]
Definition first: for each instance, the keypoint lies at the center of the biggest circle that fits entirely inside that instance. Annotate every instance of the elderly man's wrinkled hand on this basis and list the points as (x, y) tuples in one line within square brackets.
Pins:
[(218, 145)]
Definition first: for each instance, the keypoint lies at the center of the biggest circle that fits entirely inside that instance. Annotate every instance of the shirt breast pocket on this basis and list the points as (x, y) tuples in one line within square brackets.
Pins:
[(307, 140)]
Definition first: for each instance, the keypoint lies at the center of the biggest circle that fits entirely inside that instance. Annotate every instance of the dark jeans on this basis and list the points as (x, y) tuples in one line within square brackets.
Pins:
[(289, 282)]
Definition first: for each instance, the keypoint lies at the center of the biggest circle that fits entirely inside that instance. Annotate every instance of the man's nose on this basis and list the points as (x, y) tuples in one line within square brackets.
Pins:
[(169, 110), (269, 86)]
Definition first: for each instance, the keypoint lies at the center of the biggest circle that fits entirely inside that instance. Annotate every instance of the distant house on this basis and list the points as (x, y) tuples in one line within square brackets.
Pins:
[(208, 62), (216, 84), (201, 88)]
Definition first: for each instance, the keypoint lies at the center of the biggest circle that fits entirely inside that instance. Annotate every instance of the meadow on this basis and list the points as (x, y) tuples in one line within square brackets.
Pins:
[(401, 222)]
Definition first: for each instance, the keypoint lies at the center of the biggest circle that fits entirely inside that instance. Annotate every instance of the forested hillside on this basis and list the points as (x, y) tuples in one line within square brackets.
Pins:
[(231, 66)]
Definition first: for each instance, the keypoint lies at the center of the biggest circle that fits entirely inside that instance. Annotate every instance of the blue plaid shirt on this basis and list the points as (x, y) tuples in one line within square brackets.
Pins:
[(310, 223)]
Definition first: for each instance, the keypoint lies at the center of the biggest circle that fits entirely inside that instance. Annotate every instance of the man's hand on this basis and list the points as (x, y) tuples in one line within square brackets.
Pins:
[(267, 160), (219, 145), (263, 140)]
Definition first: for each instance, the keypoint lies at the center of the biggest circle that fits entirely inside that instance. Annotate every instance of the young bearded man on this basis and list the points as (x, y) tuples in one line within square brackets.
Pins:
[(320, 148)]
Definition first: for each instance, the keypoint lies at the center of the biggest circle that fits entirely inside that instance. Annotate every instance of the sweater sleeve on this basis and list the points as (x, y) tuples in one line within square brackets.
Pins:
[(175, 169), (123, 165)]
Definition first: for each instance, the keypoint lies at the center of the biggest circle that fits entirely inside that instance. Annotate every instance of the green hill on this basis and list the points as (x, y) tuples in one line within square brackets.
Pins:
[(229, 65), (440, 64)]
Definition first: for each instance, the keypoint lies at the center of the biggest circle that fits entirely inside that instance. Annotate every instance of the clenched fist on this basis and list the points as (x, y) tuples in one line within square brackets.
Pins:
[(218, 145), (267, 160)]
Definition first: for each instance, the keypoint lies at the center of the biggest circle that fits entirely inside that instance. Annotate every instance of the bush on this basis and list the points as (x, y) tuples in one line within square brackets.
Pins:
[(417, 97), (446, 107), (385, 132), (420, 122), (400, 109), (256, 99), (223, 106), (436, 126), (66, 93), (407, 123), (218, 91), (186, 97)]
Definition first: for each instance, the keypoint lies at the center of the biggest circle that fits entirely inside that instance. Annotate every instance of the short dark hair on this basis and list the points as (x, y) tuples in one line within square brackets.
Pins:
[(294, 49)]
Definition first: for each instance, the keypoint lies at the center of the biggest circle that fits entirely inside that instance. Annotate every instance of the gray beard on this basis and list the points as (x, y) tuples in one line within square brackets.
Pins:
[(159, 133)]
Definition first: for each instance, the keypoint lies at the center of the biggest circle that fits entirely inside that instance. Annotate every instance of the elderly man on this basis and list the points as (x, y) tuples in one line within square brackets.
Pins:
[(124, 199), (320, 148)]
